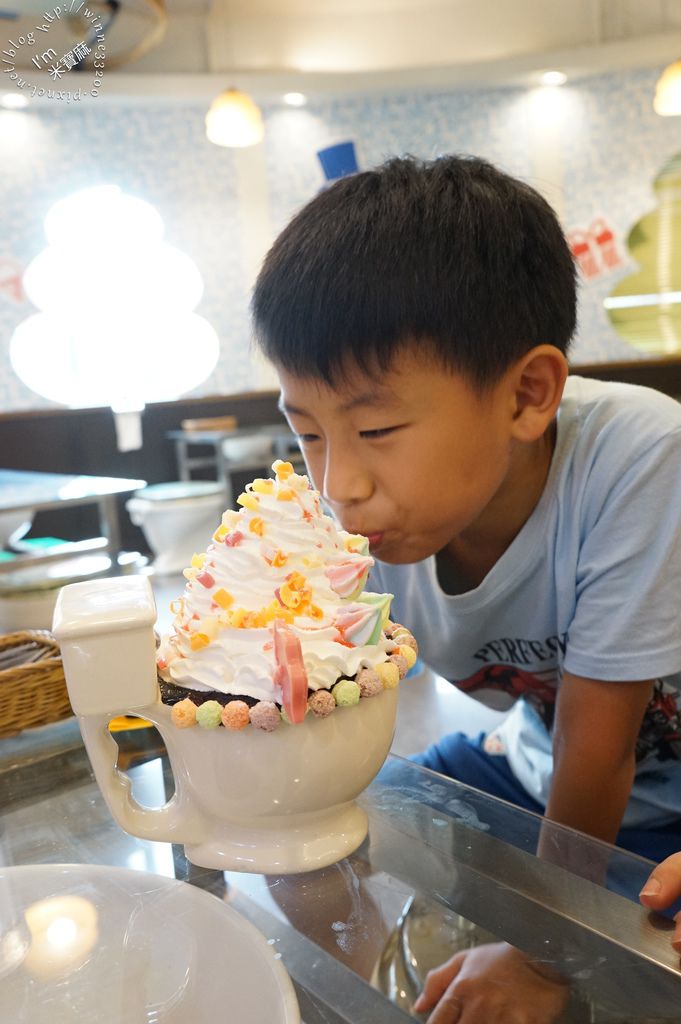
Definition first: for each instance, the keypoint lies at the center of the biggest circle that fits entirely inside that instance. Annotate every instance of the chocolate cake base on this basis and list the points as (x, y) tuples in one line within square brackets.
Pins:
[(172, 694)]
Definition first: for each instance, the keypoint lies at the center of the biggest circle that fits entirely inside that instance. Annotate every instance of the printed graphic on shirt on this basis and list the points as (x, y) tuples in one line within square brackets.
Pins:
[(520, 667), (660, 733), (539, 687), (519, 651)]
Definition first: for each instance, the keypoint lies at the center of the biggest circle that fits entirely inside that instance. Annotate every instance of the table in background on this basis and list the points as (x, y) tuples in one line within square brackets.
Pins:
[(469, 856), (34, 491), (284, 446)]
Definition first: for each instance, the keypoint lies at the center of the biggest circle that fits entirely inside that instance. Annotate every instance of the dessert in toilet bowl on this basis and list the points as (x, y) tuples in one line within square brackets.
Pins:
[(274, 622)]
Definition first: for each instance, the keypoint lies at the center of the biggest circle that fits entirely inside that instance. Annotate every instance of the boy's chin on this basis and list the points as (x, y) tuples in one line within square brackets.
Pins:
[(404, 555)]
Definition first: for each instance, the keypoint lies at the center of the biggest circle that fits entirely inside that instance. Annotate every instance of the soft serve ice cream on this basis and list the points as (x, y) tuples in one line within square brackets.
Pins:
[(274, 621)]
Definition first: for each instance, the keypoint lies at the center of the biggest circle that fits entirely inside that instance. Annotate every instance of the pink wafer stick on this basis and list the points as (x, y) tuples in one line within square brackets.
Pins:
[(290, 672)]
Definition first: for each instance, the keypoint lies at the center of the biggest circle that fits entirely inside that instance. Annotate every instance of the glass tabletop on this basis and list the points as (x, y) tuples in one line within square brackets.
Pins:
[(444, 867), (20, 489)]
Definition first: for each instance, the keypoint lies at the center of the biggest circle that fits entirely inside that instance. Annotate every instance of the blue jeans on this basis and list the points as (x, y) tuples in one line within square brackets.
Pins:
[(465, 760)]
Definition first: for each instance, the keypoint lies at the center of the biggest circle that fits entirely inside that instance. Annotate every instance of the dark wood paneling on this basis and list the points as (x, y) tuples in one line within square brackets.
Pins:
[(661, 374)]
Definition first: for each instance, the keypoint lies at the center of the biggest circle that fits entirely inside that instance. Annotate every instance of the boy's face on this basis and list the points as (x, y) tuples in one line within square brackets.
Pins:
[(412, 459)]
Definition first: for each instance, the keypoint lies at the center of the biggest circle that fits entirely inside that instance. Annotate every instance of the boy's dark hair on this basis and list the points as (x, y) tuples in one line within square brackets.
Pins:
[(451, 252)]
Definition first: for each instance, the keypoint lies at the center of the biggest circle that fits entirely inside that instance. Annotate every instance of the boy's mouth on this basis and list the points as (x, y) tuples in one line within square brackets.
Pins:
[(374, 539)]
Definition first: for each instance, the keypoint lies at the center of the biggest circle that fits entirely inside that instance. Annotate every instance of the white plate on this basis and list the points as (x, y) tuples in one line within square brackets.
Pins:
[(89, 943)]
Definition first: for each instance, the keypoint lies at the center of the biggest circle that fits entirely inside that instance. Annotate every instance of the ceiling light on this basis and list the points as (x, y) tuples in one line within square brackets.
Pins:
[(553, 78), (234, 120), (295, 99), (13, 101), (667, 100)]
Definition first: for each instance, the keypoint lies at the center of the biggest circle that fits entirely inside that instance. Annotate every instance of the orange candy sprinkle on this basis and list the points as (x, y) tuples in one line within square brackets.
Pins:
[(223, 598), (283, 469), (257, 526), (291, 598), (241, 618), (286, 494), (198, 640), (235, 715), (296, 580)]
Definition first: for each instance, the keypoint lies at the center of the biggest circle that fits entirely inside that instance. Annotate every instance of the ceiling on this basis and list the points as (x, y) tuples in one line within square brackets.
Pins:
[(323, 45), (369, 36)]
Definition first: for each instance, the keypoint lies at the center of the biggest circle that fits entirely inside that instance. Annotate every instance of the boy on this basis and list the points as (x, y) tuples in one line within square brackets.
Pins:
[(419, 316)]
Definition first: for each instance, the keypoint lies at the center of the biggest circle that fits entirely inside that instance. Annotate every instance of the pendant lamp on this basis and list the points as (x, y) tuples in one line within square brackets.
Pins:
[(234, 120), (667, 100)]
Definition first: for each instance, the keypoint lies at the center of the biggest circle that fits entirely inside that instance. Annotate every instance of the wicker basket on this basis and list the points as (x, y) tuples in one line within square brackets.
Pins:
[(32, 685)]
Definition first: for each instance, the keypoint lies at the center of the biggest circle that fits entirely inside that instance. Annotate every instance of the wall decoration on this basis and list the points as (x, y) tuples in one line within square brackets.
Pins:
[(11, 288), (595, 248), (338, 161), (645, 307)]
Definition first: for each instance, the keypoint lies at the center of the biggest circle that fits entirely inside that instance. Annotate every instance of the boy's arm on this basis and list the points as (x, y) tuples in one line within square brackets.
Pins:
[(594, 740), (595, 731)]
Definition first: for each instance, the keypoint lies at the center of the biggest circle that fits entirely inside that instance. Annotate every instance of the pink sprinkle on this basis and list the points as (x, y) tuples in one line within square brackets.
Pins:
[(234, 538), (205, 579), (265, 715), (322, 703)]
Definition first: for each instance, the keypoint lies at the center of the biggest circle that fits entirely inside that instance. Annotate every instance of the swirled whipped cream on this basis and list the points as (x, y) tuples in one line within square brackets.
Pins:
[(279, 563)]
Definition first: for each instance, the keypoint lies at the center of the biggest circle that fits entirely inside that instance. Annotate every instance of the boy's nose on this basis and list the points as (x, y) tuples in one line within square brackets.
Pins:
[(346, 481)]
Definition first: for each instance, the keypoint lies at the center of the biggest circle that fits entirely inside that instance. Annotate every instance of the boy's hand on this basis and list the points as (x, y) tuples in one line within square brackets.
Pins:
[(492, 984), (662, 889)]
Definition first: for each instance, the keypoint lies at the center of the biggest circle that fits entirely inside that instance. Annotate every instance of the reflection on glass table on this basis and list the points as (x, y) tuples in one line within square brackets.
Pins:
[(22, 491), (444, 867)]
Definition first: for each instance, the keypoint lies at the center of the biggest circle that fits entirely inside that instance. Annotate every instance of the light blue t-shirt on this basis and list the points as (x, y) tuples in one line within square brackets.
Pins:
[(591, 584)]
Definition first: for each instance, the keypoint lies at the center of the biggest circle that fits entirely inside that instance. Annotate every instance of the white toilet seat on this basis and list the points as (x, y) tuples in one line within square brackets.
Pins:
[(179, 491), (177, 519)]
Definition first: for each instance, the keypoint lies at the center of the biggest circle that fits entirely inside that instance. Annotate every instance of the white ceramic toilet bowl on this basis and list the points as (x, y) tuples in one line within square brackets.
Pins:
[(177, 519)]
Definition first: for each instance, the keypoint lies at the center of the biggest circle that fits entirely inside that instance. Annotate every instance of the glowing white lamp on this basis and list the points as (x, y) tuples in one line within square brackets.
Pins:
[(667, 101), (116, 327), (119, 219), (143, 276), (234, 120)]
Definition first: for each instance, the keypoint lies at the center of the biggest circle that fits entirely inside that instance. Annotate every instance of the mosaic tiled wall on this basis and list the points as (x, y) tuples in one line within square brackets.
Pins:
[(593, 147)]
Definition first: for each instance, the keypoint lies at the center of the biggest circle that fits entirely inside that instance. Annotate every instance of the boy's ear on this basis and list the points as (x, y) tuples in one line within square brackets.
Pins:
[(538, 380)]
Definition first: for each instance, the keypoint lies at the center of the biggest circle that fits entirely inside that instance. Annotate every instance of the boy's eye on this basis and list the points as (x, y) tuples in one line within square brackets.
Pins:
[(307, 438), (373, 435)]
